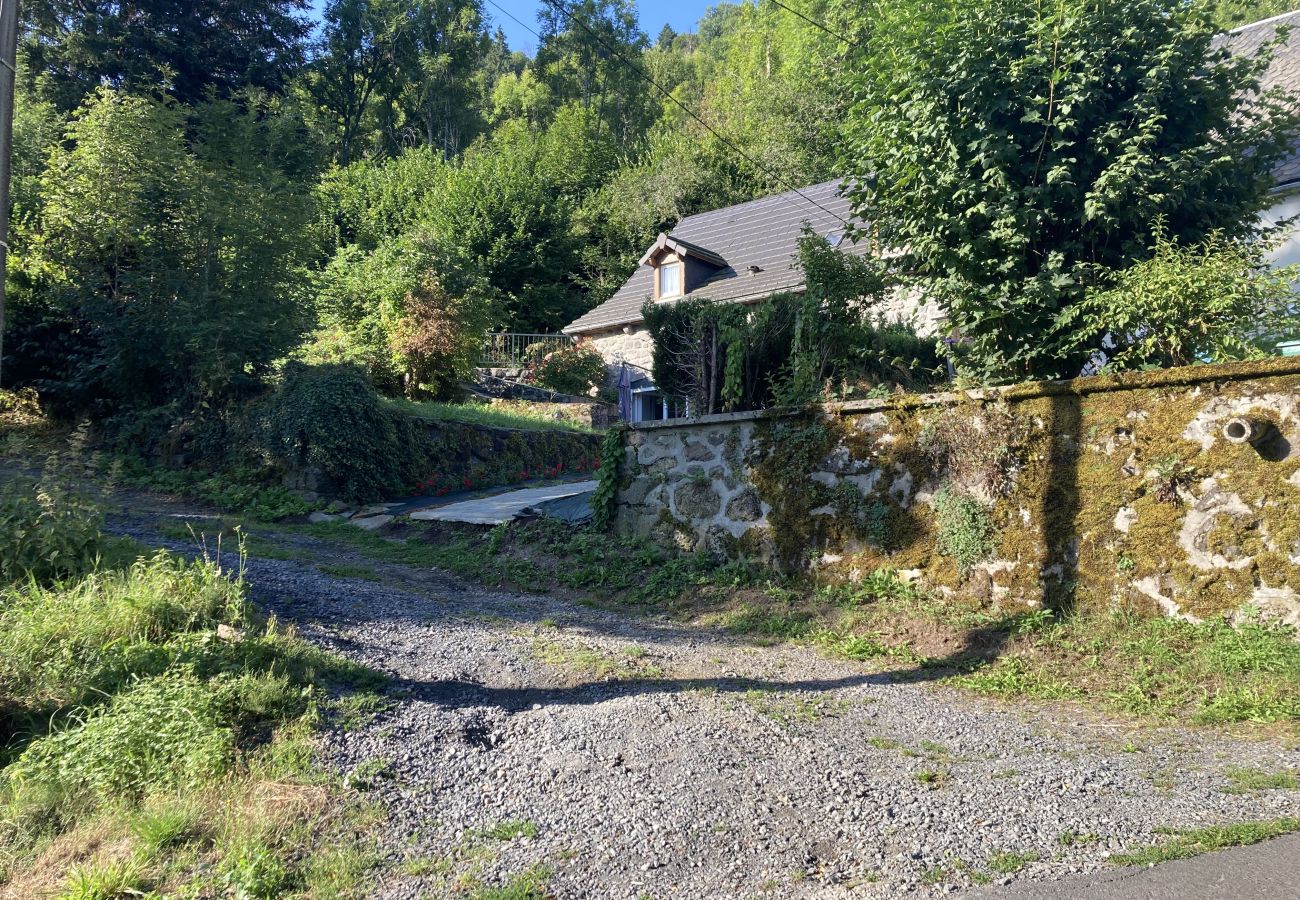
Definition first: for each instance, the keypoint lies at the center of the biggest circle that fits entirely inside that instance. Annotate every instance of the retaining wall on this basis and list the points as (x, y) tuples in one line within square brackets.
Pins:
[(1107, 490)]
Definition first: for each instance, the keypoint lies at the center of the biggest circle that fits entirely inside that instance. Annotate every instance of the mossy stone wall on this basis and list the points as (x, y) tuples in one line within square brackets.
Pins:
[(1093, 492), (450, 456)]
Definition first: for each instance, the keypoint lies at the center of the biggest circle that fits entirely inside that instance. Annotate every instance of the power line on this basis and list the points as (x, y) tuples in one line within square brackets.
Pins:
[(512, 17), (814, 23), (690, 112), (616, 53)]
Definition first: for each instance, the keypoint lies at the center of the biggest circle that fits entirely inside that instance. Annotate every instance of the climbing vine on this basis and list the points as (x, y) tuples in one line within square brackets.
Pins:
[(604, 502)]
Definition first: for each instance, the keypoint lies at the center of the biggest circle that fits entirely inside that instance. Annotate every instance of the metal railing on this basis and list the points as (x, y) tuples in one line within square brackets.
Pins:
[(509, 350)]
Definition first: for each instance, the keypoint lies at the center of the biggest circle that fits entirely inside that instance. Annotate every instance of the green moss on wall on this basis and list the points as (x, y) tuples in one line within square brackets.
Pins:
[(1086, 467)]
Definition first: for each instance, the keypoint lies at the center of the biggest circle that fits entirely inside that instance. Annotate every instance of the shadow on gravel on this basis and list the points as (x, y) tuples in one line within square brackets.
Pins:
[(457, 694), (462, 694)]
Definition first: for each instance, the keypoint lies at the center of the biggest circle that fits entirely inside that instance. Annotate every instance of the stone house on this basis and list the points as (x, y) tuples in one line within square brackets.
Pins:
[(1284, 74), (748, 252), (740, 254)]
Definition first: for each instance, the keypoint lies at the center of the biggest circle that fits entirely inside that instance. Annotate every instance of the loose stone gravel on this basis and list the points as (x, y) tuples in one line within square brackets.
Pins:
[(705, 766)]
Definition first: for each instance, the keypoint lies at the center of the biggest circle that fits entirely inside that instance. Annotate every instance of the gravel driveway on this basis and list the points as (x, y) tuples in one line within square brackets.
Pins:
[(636, 758)]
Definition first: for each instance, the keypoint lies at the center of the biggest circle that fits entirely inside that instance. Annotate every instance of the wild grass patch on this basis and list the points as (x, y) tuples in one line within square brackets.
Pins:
[(347, 570), (594, 662), (1193, 842), (1246, 780), (523, 416), (509, 830), (159, 741), (1209, 673), (1009, 862), (791, 709)]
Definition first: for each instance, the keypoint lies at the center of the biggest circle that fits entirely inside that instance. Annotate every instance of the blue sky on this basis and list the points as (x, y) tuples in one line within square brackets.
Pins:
[(681, 14)]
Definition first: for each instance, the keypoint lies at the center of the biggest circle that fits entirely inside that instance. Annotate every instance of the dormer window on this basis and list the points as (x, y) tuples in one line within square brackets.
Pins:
[(681, 267), (670, 280)]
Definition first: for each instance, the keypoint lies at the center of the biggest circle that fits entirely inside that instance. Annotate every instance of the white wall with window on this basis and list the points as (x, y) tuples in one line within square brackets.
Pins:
[(648, 405)]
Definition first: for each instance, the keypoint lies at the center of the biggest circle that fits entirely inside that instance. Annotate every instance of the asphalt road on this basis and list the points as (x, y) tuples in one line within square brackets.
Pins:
[(1268, 871)]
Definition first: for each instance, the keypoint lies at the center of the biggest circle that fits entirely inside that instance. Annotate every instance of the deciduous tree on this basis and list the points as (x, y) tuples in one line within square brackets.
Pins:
[(1017, 149)]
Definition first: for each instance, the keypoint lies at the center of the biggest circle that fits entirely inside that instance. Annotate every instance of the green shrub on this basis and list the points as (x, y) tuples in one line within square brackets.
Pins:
[(573, 370), (1213, 301), (163, 732), (964, 529), (330, 418), (66, 645), (46, 530)]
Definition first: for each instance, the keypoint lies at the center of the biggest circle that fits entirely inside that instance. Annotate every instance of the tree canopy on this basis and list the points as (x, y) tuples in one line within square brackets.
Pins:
[(204, 189), (1019, 151), (189, 48)]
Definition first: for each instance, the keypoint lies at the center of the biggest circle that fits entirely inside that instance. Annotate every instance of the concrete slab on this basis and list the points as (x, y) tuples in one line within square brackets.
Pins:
[(501, 507)]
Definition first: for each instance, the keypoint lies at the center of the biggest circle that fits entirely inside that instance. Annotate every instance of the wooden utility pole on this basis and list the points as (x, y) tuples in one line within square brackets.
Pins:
[(8, 75)]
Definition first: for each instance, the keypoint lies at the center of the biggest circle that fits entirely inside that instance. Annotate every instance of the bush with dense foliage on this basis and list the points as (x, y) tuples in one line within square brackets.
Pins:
[(404, 314), (163, 264), (1214, 301), (789, 349), (577, 370), (329, 418), (1019, 152)]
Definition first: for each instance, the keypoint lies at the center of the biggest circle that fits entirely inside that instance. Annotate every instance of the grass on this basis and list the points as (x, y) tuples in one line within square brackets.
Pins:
[(541, 555), (933, 778), (1184, 844), (791, 709), (935, 875), (1157, 668), (509, 830), (461, 554), (530, 885), (527, 417), (1009, 862), (594, 663), (1244, 781), (1077, 839), (344, 570), (154, 753), (251, 492)]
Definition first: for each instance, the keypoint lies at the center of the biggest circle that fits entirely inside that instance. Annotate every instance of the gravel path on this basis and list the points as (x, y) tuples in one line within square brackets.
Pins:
[(649, 760)]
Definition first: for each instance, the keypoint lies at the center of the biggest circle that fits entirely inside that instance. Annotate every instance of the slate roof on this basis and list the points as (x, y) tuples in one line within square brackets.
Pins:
[(763, 233), (1283, 72)]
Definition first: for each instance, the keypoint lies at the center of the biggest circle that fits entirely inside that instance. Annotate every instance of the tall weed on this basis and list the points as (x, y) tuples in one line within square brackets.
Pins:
[(162, 733), (66, 644)]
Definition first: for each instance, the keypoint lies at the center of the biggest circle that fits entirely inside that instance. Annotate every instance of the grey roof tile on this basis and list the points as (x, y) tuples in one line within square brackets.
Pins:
[(1283, 72), (765, 232)]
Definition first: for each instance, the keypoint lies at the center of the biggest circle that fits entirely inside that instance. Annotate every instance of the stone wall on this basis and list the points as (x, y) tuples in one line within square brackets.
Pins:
[(459, 456), (1137, 490), (617, 346)]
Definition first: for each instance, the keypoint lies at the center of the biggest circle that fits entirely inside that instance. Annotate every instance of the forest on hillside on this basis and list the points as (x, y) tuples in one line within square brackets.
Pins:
[(393, 179), (204, 189)]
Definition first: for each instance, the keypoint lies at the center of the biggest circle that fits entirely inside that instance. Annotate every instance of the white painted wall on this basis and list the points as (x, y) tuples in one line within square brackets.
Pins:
[(1289, 252)]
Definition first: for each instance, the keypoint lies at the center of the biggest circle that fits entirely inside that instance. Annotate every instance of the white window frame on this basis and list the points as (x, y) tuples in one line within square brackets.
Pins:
[(681, 280)]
